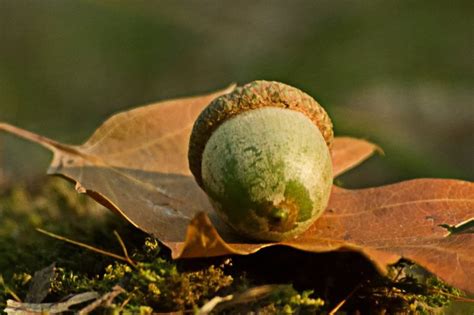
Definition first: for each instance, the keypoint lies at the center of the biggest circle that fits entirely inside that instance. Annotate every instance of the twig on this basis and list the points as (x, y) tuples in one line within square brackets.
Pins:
[(104, 300), (124, 303), (124, 249), (340, 304), (89, 247)]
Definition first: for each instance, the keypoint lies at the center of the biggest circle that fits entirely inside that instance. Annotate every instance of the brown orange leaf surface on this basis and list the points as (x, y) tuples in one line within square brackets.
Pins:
[(383, 223), (136, 165), (348, 152)]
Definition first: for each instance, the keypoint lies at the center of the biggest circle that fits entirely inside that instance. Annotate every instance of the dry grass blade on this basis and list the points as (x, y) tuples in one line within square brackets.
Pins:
[(86, 246), (124, 249)]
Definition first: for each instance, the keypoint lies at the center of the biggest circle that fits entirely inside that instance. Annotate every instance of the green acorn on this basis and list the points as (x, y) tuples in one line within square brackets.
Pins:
[(261, 153)]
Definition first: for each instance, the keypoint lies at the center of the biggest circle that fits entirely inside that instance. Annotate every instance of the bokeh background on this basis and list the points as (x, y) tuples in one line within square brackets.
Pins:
[(398, 73)]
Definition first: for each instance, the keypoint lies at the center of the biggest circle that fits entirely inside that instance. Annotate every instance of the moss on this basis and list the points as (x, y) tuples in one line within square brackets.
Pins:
[(156, 283), (283, 300), (408, 288), (58, 208)]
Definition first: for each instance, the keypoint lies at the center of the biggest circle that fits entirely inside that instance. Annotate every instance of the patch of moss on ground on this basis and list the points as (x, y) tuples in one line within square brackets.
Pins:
[(55, 207), (407, 289), (312, 283), (154, 282)]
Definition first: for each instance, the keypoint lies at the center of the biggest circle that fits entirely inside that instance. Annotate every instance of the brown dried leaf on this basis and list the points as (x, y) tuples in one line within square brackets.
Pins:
[(348, 152), (384, 223), (136, 164)]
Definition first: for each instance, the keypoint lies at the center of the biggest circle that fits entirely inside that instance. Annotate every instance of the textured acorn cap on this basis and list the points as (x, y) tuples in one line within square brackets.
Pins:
[(254, 95)]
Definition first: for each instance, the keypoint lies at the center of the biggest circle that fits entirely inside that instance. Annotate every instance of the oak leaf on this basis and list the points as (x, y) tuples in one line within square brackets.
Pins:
[(136, 165)]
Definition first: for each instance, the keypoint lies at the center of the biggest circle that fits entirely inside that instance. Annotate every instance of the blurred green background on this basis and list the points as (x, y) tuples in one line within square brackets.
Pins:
[(399, 73)]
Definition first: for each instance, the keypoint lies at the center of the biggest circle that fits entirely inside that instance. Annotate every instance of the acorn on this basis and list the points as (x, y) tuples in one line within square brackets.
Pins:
[(262, 155)]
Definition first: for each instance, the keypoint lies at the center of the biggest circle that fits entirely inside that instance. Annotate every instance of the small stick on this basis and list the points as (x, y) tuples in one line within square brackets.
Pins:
[(124, 249), (340, 304), (89, 247), (124, 303)]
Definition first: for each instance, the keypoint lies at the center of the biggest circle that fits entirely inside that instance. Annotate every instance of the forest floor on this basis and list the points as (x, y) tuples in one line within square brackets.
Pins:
[(126, 270)]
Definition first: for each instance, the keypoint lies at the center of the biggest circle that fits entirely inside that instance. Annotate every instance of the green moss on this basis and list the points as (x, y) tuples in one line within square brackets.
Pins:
[(408, 288), (155, 282), (55, 207), (284, 299)]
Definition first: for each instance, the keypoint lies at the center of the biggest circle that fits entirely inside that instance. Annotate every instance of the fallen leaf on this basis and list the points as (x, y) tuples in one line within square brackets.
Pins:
[(348, 152), (40, 284), (383, 223), (123, 166), (136, 165)]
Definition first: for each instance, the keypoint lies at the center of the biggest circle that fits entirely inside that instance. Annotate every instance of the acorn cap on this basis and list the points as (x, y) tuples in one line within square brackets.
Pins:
[(254, 95)]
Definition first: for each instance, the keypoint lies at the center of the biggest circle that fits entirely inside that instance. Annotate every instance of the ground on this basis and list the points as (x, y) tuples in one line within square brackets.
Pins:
[(275, 280)]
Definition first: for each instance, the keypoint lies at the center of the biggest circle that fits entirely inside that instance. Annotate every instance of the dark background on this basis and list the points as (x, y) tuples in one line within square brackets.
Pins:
[(399, 73)]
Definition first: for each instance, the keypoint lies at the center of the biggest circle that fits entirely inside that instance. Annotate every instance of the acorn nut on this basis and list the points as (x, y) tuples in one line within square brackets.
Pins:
[(261, 153)]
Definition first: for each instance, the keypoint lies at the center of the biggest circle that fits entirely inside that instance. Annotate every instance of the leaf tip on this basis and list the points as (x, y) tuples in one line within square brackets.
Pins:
[(80, 189), (202, 240)]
